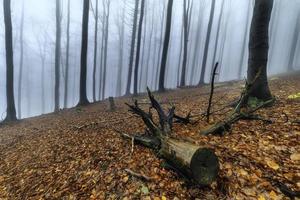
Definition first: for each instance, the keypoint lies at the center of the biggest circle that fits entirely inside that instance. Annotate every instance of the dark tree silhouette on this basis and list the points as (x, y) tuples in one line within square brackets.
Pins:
[(138, 49), (67, 56), (132, 46), (11, 110), (259, 49), (84, 44), (165, 47), (21, 41), (206, 48), (96, 17), (57, 56)]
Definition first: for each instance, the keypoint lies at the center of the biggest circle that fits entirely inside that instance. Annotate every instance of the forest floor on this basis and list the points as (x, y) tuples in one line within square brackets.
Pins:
[(76, 154)]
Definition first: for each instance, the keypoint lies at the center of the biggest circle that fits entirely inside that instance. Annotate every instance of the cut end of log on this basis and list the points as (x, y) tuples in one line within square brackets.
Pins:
[(204, 166)]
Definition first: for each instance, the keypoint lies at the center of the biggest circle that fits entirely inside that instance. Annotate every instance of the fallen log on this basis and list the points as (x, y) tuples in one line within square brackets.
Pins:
[(199, 164)]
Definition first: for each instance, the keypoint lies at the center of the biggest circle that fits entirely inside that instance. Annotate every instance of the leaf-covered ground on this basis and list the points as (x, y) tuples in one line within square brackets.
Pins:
[(76, 154)]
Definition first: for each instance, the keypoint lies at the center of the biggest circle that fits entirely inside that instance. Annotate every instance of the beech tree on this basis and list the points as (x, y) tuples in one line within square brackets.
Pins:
[(161, 86), (84, 44), (67, 56), (10, 98), (96, 17), (57, 56), (295, 41), (259, 49)]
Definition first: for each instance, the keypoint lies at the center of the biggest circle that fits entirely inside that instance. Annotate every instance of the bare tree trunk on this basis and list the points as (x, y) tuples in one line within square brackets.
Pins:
[(95, 50), (258, 50), (166, 46), (132, 48), (243, 54), (10, 99), (180, 55), (107, 7), (57, 56), (43, 84), (142, 67), (84, 45), (206, 48), (101, 56), (138, 49), (121, 30), (294, 44), (21, 63), (67, 57)]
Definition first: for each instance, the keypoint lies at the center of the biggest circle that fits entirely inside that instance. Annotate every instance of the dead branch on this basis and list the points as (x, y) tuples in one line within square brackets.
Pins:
[(211, 92), (138, 175)]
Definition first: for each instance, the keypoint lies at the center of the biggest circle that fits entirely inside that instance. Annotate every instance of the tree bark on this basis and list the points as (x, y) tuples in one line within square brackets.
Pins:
[(138, 49), (95, 50), (185, 42), (165, 47), (84, 44), (10, 99), (258, 50), (57, 56), (132, 48), (21, 40), (294, 44), (206, 48), (67, 56)]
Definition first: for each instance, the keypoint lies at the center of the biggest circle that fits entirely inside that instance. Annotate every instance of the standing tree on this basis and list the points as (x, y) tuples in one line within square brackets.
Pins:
[(21, 40), (294, 44), (259, 49), (67, 56), (138, 49), (186, 29), (11, 110), (132, 48), (206, 48), (84, 44), (106, 6), (164, 57), (57, 56), (96, 17)]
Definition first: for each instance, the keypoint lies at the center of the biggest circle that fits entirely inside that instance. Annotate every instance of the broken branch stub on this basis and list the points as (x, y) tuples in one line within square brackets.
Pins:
[(199, 164)]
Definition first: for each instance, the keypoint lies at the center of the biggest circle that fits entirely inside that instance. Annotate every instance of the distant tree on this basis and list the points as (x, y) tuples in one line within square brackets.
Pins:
[(259, 49), (121, 31), (244, 47), (57, 56), (207, 41), (186, 29), (166, 46), (96, 17), (84, 45), (21, 41), (295, 41), (67, 56), (132, 46), (138, 48), (106, 6), (10, 99)]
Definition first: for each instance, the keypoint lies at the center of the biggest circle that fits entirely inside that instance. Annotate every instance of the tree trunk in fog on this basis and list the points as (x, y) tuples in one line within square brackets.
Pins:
[(57, 56), (11, 110), (95, 50), (121, 30), (138, 49), (196, 45), (186, 10), (159, 57), (180, 54), (101, 56), (142, 68), (165, 47), (84, 45), (132, 48), (294, 44), (243, 54), (107, 13), (206, 48), (258, 50), (21, 63), (67, 57)]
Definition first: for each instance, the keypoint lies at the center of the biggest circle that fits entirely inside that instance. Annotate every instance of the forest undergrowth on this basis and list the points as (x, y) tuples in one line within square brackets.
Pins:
[(78, 154)]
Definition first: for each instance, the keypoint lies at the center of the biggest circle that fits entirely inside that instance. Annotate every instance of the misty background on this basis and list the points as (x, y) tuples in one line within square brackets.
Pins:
[(230, 44)]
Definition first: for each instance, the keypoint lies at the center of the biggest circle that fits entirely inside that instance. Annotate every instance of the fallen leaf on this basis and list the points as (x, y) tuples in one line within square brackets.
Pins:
[(295, 157), (273, 195), (272, 164), (261, 197)]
